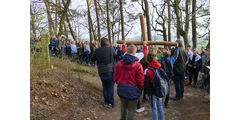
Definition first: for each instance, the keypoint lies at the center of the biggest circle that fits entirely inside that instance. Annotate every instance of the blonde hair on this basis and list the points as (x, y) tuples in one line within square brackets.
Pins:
[(131, 49)]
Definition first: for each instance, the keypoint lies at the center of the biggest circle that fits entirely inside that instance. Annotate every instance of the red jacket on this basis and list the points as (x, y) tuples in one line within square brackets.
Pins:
[(150, 73), (131, 74)]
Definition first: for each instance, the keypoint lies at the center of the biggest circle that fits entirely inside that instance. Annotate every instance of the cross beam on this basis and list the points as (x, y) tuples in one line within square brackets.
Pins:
[(149, 43)]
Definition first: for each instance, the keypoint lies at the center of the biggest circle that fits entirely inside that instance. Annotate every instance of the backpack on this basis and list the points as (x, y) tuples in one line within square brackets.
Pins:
[(159, 87), (168, 68)]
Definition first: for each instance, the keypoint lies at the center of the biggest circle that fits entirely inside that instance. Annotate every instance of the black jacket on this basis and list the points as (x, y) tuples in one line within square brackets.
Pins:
[(105, 56), (179, 66)]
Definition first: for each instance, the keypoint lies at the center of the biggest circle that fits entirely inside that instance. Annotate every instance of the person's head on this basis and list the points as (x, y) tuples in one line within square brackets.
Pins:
[(189, 47), (138, 47), (179, 43), (207, 52), (195, 51), (105, 42), (151, 56), (59, 37), (68, 42), (131, 50), (166, 54)]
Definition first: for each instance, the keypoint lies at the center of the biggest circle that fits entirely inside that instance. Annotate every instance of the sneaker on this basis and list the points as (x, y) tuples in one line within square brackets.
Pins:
[(140, 110), (110, 106)]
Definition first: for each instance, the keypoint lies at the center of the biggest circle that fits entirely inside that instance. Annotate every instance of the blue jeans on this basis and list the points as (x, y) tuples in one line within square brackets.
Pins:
[(108, 87), (156, 106), (179, 85)]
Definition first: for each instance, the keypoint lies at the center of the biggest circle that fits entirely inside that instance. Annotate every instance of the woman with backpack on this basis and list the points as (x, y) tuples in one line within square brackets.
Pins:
[(155, 99)]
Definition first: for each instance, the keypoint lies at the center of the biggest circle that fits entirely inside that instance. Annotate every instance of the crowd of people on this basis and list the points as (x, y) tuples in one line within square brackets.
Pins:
[(139, 67), (135, 70)]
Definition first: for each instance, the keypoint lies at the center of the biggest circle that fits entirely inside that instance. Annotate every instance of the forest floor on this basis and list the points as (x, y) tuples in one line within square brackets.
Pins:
[(70, 91)]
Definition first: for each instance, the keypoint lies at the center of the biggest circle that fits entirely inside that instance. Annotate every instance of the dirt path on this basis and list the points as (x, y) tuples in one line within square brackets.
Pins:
[(193, 107), (69, 95)]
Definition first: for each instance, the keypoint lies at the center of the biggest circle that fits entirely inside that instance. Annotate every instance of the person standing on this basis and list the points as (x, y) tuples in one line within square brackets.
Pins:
[(195, 64), (130, 79), (180, 58), (105, 63), (87, 51), (154, 101)]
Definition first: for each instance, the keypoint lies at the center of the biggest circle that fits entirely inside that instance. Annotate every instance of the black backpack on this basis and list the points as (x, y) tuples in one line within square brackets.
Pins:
[(159, 87)]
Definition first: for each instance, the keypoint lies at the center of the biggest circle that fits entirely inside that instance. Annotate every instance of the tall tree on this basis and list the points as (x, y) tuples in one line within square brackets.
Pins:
[(108, 21), (50, 23), (122, 19), (32, 20), (148, 20), (98, 23), (194, 27), (56, 15), (169, 20), (89, 22), (180, 31), (69, 24), (176, 8), (62, 19)]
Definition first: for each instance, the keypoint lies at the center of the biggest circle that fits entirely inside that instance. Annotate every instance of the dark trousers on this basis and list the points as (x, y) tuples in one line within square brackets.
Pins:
[(108, 87), (179, 85), (86, 57), (128, 109), (193, 74)]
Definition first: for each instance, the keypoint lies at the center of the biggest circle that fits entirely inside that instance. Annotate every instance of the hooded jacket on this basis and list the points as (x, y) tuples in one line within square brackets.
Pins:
[(129, 77), (154, 64)]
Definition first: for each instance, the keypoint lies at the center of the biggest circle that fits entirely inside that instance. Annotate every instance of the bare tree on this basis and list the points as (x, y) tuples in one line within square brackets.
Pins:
[(98, 23), (62, 19)]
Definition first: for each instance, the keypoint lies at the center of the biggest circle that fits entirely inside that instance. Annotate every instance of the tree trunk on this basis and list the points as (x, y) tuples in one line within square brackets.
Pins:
[(33, 21), (122, 19), (185, 33), (108, 21), (65, 29), (89, 22), (194, 29), (62, 19), (56, 14), (169, 21), (208, 45), (148, 21), (50, 24), (98, 23), (164, 32), (69, 24), (176, 8)]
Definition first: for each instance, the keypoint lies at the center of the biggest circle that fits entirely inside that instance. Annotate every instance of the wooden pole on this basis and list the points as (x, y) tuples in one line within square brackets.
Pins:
[(149, 43), (143, 28)]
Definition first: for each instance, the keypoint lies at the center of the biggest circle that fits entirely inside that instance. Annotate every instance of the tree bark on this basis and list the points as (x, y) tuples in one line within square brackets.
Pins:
[(56, 15), (50, 24), (98, 23), (148, 21), (89, 22), (108, 21), (185, 33), (65, 29), (33, 21), (169, 21), (176, 8), (69, 24), (122, 19), (194, 29), (62, 19)]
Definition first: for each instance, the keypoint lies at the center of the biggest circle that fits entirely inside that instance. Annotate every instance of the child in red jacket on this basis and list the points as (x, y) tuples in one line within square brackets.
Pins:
[(130, 79)]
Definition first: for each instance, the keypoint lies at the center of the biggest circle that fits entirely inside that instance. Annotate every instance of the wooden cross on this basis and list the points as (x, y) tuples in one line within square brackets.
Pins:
[(144, 37)]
